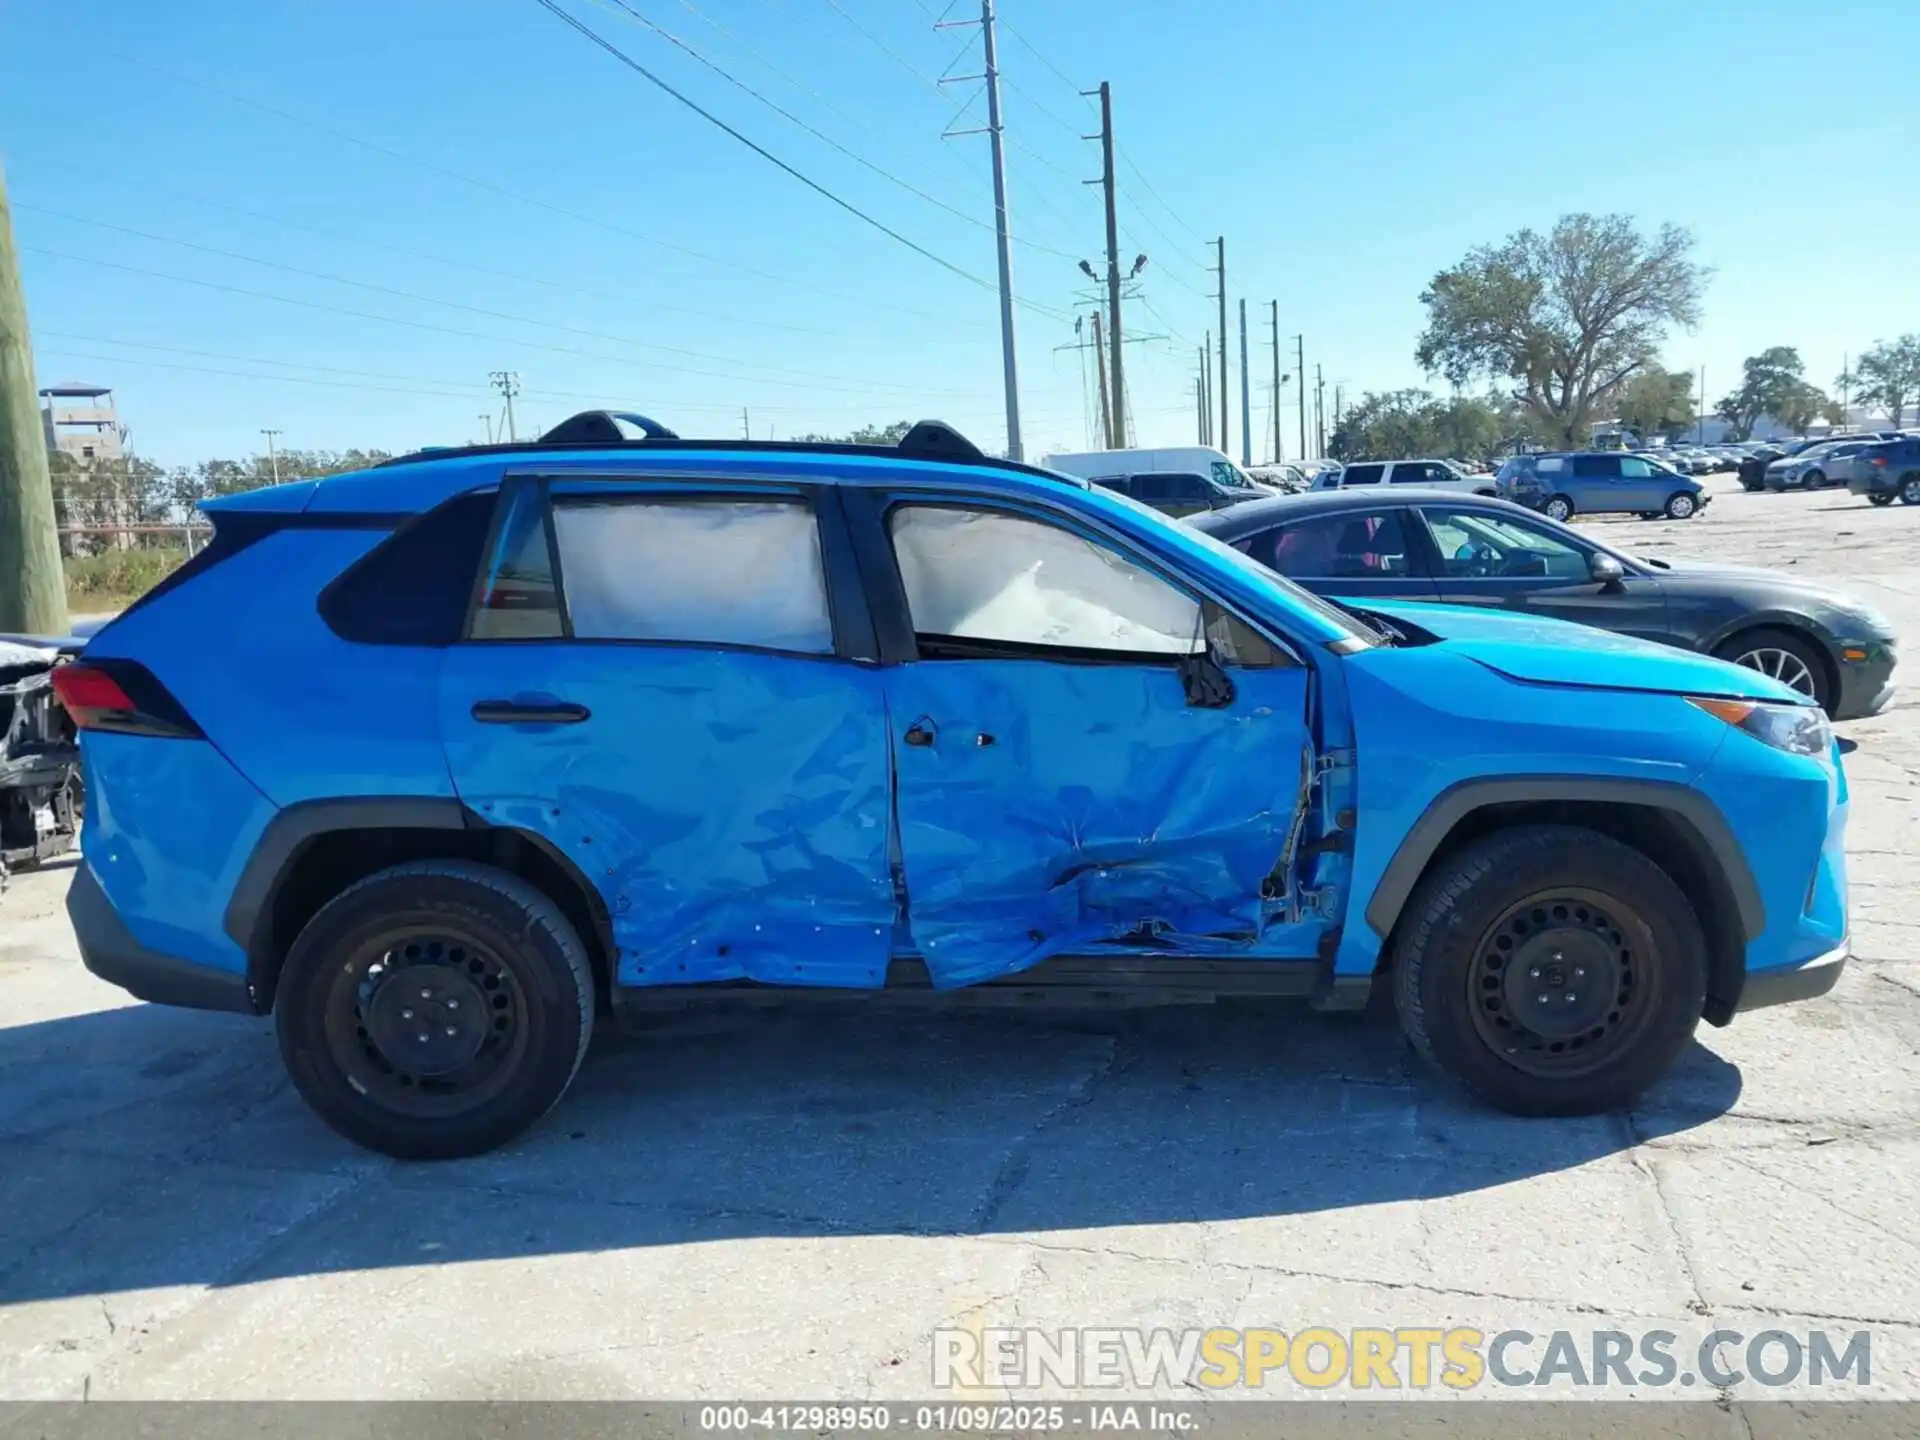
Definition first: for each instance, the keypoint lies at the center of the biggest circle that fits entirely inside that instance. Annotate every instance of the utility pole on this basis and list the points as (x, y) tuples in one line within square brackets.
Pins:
[(1003, 238), (1246, 394), (1106, 404), (1200, 403), (487, 420), (1319, 412), (1279, 450), (273, 459), (507, 382), (33, 586), (1700, 415), (1300, 373), (1220, 273), (1117, 436), (1339, 393), (1206, 387), (1846, 390), (746, 427)]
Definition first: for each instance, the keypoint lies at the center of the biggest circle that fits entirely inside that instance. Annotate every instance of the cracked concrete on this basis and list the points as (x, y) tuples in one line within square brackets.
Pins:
[(787, 1206)]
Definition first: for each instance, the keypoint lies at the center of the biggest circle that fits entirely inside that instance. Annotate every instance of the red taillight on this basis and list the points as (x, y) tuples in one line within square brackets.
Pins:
[(90, 693), (121, 696), (1879, 460)]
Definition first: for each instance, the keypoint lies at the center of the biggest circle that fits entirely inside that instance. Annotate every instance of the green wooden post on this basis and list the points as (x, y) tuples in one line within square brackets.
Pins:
[(33, 587)]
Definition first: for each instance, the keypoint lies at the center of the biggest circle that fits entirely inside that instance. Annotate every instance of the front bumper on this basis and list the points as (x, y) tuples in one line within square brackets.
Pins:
[(1867, 686), (109, 950), (1784, 984)]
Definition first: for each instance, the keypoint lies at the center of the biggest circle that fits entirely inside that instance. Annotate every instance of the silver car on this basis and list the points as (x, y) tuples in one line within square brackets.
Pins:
[(1813, 468)]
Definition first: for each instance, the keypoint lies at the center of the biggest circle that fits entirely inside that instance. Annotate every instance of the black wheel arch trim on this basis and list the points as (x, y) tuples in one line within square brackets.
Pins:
[(1462, 799), (249, 915)]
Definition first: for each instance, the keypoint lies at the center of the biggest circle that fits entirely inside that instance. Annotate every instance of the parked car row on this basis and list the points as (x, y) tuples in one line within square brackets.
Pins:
[(1804, 464)]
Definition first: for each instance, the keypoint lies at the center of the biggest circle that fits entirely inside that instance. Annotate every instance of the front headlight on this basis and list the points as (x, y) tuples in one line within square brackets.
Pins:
[(1796, 729)]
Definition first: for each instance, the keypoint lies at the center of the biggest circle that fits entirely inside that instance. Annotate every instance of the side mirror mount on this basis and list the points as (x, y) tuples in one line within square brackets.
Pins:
[(1608, 571)]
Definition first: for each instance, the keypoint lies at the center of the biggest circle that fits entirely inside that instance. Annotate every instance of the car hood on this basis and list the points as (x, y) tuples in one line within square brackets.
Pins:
[(1771, 588), (1538, 651)]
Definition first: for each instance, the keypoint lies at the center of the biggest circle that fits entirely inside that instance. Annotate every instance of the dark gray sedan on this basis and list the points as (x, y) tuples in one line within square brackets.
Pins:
[(1463, 549)]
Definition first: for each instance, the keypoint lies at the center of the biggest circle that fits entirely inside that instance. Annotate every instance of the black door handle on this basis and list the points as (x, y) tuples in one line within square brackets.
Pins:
[(919, 733), (531, 712)]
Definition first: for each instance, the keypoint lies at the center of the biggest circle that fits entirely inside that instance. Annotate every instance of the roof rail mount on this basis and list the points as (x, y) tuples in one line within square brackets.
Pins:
[(601, 427), (937, 440)]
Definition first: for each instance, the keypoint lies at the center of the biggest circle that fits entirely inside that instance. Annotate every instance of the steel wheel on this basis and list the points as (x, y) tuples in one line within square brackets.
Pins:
[(1783, 666), (426, 1022), (1558, 987)]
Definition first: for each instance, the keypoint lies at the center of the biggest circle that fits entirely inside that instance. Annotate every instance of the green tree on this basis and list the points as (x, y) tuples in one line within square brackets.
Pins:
[(865, 435), (1566, 317), (1770, 384), (1888, 375), (1408, 424), (1656, 402)]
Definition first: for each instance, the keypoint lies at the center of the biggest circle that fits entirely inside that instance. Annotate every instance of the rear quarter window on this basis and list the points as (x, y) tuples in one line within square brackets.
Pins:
[(413, 587)]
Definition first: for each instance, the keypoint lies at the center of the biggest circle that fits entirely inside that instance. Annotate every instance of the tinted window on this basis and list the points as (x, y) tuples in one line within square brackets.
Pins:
[(704, 572), (1595, 467), (1121, 483), (1167, 489), (980, 577), (1350, 545), (1362, 475), (413, 588), (1478, 545), (518, 600)]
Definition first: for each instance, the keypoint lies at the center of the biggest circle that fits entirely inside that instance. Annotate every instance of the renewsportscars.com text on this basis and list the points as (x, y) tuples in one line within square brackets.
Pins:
[(1456, 1358)]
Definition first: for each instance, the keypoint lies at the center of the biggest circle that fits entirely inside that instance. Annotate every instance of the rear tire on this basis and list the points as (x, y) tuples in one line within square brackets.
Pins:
[(1558, 507), (1880, 497), (1814, 479), (435, 1009), (1559, 911), (1681, 506)]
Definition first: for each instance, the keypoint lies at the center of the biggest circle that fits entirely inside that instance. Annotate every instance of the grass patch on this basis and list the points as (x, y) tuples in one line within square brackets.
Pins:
[(114, 579)]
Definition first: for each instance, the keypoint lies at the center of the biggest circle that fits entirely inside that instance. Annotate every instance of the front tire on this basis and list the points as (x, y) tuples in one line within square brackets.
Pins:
[(1681, 506), (1879, 497), (1560, 912), (435, 1009), (1910, 490), (1558, 507), (1786, 657)]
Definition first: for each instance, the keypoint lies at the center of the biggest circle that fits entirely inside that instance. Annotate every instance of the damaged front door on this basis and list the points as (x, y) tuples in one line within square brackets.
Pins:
[(1087, 756)]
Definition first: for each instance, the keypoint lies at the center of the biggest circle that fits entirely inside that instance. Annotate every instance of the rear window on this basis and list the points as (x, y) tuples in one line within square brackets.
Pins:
[(413, 587)]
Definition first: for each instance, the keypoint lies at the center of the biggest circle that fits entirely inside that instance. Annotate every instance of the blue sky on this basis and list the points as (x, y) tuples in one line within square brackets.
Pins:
[(479, 188)]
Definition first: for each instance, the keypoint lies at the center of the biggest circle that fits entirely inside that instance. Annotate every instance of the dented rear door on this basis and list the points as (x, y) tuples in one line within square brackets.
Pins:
[(662, 684), (1087, 755)]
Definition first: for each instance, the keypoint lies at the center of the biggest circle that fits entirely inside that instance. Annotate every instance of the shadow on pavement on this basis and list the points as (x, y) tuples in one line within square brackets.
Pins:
[(150, 1147)]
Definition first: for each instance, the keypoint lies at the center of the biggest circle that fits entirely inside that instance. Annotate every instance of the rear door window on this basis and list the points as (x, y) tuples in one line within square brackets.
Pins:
[(1362, 475), (1596, 467), (1349, 545)]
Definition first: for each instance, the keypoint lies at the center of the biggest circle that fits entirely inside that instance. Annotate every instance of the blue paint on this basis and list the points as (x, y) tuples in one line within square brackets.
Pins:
[(747, 815)]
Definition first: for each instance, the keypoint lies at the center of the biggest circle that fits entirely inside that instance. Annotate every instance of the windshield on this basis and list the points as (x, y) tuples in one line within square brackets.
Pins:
[(1232, 476), (1338, 616)]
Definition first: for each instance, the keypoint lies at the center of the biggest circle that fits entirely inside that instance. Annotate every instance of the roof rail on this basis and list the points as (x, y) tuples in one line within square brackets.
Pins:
[(628, 430)]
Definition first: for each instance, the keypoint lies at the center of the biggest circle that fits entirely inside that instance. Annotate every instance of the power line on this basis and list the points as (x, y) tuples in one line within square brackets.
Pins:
[(818, 134), (1178, 219), (414, 295), (634, 65), (864, 388), (349, 238), (503, 191)]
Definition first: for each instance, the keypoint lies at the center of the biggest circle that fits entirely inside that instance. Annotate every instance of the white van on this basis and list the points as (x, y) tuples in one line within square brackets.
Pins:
[(1428, 474), (1175, 479)]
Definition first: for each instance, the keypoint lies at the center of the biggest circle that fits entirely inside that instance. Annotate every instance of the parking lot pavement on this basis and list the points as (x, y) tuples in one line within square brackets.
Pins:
[(790, 1204)]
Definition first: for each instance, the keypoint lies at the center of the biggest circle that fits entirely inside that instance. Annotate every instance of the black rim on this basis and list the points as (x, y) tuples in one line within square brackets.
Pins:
[(426, 1021), (1562, 982)]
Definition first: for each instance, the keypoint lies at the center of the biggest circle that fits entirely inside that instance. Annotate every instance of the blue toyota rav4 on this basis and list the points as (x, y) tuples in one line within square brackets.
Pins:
[(441, 761)]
